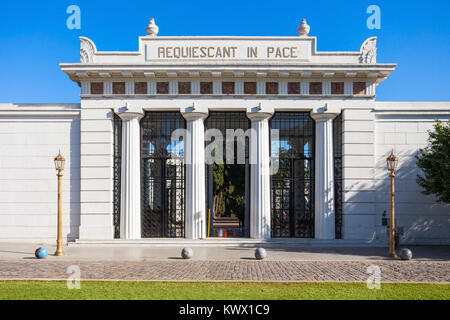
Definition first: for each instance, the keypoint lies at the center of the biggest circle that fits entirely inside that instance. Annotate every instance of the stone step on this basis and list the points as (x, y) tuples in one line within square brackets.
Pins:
[(231, 242)]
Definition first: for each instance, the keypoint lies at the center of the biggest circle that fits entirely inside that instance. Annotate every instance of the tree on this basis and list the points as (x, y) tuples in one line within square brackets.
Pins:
[(434, 161), (229, 190)]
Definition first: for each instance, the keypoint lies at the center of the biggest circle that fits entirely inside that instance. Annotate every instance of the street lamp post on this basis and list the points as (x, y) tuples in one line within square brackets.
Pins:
[(59, 166), (392, 162)]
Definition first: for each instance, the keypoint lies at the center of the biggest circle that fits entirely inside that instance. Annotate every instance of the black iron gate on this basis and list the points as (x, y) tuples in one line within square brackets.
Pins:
[(337, 150), (117, 172), (293, 182), (163, 174), (233, 220)]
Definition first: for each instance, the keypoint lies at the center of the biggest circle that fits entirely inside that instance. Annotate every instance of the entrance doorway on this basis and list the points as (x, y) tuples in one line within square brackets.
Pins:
[(293, 183), (228, 181), (163, 173)]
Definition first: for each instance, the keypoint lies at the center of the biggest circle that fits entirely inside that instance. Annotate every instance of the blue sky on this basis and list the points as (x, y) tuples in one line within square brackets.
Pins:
[(34, 37)]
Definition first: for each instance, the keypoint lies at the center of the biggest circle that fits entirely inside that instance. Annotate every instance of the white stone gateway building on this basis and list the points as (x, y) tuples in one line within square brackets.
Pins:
[(127, 178)]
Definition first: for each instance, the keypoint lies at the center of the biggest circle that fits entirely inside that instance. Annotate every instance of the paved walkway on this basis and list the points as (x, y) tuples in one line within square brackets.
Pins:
[(110, 252), (301, 263)]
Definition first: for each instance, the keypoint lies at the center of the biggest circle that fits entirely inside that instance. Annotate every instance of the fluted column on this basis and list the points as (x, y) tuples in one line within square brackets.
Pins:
[(195, 215), (130, 204), (260, 206), (324, 180)]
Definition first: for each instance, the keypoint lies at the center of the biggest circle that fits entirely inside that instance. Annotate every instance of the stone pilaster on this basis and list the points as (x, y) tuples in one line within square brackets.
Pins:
[(283, 87), (260, 206), (130, 210), (85, 87), (195, 212), (324, 172)]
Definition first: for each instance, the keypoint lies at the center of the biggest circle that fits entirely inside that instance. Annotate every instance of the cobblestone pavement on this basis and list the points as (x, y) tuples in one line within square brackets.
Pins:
[(245, 270)]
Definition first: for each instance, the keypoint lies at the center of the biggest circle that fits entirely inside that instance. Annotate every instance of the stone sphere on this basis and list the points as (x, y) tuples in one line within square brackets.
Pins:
[(260, 254), (41, 253), (405, 254), (187, 253)]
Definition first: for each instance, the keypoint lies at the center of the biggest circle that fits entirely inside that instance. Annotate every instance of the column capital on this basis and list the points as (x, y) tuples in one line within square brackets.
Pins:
[(323, 116), (194, 113), (130, 112), (130, 115), (260, 113)]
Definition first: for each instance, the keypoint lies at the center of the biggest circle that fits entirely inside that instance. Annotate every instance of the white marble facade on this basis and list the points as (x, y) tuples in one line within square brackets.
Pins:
[(289, 75)]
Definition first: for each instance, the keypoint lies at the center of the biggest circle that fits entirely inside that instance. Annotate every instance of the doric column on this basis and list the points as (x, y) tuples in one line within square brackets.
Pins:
[(324, 181), (130, 204), (260, 206), (195, 215)]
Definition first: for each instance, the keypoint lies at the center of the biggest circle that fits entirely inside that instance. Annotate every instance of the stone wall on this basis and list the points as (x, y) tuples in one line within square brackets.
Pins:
[(30, 138), (96, 200), (404, 126), (358, 173), (31, 135)]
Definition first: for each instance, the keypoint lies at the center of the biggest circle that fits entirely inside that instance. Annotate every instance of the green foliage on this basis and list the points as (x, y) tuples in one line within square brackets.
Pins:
[(434, 161), (229, 190)]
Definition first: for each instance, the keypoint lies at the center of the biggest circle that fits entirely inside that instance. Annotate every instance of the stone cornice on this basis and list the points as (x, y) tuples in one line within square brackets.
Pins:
[(39, 113), (377, 72), (193, 57), (39, 106), (237, 59), (10, 109), (432, 109), (241, 104), (367, 73), (382, 106)]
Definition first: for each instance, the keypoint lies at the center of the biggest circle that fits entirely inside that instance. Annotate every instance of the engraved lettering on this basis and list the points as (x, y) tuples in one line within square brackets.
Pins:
[(161, 52), (210, 52), (195, 52), (252, 52), (234, 51), (278, 53), (227, 52), (219, 53), (176, 52), (169, 52), (293, 52), (203, 52)]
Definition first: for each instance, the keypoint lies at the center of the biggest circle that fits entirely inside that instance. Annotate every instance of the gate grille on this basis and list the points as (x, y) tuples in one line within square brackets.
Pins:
[(337, 147), (293, 183), (163, 174), (117, 173), (239, 199)]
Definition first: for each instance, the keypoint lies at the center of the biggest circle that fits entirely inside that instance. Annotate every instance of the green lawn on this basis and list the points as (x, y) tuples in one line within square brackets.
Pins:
[(218, 290)]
